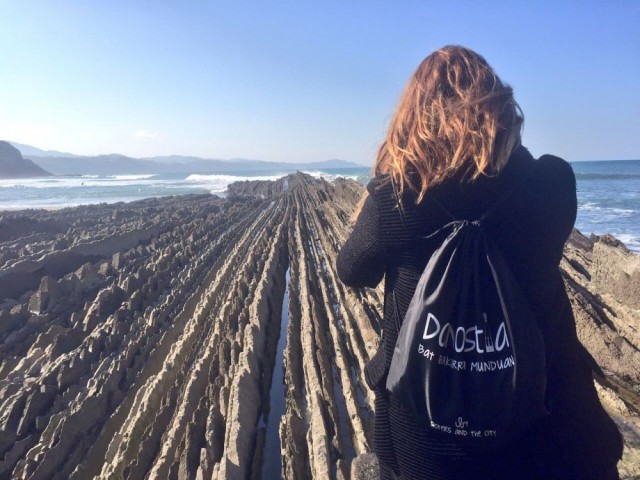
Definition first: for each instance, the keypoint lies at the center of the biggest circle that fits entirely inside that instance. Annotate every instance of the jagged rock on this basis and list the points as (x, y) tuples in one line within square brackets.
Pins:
[(37, 402), (152, 352), (117, 260), (17, 310), (606, 319), (9, 322), (365, 467), (88, 275), (38, 302)]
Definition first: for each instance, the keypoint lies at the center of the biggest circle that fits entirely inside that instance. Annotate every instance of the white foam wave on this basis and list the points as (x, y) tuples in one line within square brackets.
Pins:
[(594, 207), (21, 182), (330, 177), (626, 237), (82, 181), (631, 241), (57, 204), (133, 177), (588, 206), (77, 182), (217, 184)]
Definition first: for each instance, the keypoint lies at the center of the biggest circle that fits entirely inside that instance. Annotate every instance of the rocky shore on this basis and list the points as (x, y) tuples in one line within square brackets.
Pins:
[(139, 340)]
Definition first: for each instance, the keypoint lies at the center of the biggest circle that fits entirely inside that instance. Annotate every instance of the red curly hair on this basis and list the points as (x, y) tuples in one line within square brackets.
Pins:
[(455, 116)]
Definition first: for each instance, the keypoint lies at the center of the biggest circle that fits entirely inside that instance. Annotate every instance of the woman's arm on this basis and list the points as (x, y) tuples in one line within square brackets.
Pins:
[(361, 261)]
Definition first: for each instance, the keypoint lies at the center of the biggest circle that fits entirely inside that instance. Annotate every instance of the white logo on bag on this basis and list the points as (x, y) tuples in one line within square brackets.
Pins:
[(466, 340), (461, 423)]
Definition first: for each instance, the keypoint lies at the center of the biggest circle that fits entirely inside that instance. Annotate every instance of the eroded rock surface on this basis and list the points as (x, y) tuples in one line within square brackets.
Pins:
[(603, 281), (138, 340)]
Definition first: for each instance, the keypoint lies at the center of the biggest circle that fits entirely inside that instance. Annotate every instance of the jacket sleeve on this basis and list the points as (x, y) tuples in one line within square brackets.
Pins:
[(361, 261)]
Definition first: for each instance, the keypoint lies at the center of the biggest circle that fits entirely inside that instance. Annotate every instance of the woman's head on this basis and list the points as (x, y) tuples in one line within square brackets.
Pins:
[(455, 116)]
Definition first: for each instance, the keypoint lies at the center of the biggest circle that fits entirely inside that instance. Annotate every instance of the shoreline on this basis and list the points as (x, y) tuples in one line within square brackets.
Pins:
[(628, 240), (116, 203)]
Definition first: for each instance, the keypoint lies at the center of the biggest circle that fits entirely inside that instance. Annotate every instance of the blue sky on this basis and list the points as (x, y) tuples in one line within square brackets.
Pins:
[(303, 80)]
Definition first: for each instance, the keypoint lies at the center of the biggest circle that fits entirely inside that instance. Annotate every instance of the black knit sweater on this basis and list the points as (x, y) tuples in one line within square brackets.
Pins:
[(535, 208)]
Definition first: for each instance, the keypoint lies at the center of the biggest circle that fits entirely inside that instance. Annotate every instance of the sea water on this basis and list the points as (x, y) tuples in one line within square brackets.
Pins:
[(609, 199), (60, 191), (608, 192)]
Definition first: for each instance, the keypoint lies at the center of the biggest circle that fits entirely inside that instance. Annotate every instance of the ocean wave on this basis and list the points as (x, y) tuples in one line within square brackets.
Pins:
[(606, 176), (66, 182), (133, 177), (23, 182), (61, 204), (630, 240), (594, 207), (217, 184), (330, 177), (627, 237)]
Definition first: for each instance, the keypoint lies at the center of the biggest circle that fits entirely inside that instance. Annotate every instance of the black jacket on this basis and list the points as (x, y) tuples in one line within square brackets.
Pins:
[(535, 209)]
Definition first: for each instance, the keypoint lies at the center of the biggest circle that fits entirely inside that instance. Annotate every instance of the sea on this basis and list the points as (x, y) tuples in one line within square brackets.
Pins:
[(608, 192), (609, 199)]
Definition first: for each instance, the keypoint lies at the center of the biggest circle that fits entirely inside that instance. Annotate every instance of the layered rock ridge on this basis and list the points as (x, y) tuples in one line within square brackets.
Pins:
[(602, 278), (139, 340)]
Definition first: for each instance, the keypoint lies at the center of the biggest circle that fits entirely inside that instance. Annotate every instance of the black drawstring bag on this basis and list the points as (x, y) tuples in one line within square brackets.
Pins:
[(469, 360)]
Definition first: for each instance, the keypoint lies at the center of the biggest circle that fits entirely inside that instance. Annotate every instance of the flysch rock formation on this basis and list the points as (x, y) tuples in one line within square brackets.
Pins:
[(602, 278), (139, 340)]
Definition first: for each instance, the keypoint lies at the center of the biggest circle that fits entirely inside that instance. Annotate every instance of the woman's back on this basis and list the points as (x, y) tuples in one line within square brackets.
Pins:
[(452, 153), (535, 208)]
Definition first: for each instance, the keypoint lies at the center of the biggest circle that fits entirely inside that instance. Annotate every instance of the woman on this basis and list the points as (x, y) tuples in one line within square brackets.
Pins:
[(453, 149)]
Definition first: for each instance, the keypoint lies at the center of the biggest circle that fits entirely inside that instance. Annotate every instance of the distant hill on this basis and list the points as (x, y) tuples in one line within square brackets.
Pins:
[(12, 165), (99, 165), (29, 151), (114, 164)]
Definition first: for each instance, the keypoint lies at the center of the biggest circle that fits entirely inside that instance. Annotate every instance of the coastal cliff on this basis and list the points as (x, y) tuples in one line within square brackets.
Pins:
[(139, 340), (12, 165)]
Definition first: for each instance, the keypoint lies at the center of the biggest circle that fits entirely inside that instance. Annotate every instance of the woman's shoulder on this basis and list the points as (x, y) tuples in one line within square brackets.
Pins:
[(378, 183), (553, 190), (549, 177), (548, 167), (555, 180), (380, 188), (395, 222), (555, 169)]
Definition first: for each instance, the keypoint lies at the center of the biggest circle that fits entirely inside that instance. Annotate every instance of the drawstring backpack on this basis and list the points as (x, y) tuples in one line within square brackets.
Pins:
[(469, 361)]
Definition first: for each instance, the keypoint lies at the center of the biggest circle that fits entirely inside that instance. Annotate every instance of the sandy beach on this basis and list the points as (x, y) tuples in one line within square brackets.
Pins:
[(138, 340)]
